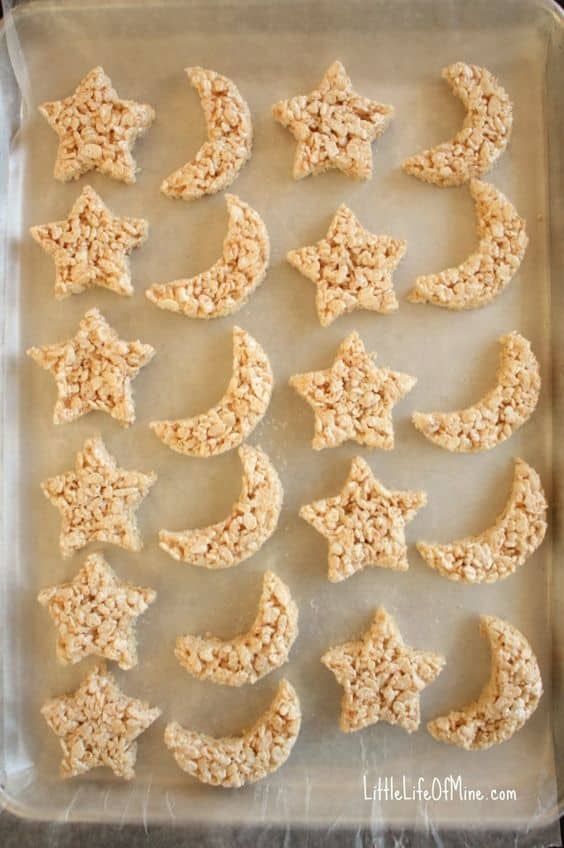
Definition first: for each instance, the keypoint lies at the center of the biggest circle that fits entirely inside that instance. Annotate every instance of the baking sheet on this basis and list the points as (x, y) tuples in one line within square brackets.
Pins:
[(394, 54)]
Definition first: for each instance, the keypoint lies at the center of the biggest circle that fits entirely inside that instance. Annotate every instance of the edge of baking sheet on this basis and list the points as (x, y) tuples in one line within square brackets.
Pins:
[(9, 101), (554, 112), (10, 105)]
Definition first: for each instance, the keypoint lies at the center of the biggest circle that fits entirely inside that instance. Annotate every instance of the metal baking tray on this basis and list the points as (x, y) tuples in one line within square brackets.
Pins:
[(394, 53)]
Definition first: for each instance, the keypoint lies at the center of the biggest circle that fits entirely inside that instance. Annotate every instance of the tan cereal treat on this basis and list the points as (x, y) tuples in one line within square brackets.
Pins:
[(98, 725), (233, 761), (96, 129), (98, 500), (334, 126), (506, 702), (501, 411), (382, 677), (252, 655), (364, 524), (230, 139), (93, 370), (484, 134), (225, 287), (353, 399), (252, 521), (487, 271), (95, 614), (351, 268), (227, 424), (498, 551), (91, 246)]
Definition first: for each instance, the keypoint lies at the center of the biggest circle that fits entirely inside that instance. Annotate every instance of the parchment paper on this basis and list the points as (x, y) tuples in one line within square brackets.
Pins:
[(394, 53)]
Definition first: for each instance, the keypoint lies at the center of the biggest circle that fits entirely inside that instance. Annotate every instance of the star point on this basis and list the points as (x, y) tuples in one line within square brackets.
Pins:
[(96, 129), (93, 370), (97, 725), (351, 267), (364, 524), (382, 676), (334, 126), (95, 614), (98, 500), (91, 246), (353, 399)]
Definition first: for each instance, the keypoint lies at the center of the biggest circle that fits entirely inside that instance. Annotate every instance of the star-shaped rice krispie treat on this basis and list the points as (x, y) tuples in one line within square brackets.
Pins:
[(334, 126), (90, 247), (364, 523), (96, 129), (97, 725), (351, 267), (98, 500), (353, 399), (382, 676), (95, 614), (93, 370)]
